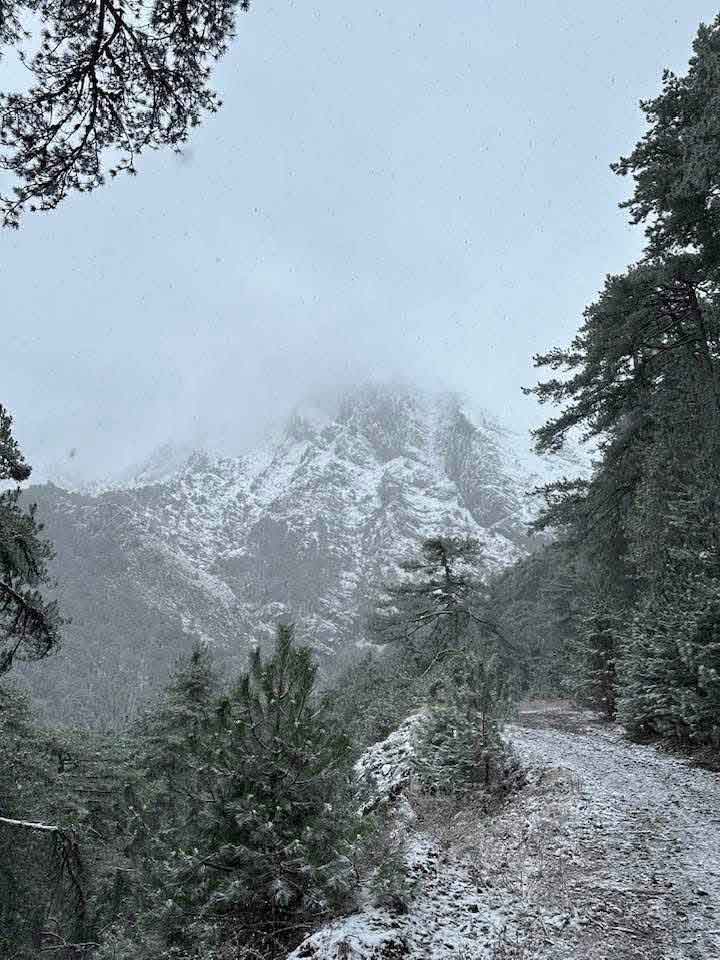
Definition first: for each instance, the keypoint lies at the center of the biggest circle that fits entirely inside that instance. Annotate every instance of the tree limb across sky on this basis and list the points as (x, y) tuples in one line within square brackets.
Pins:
[(107, 80)]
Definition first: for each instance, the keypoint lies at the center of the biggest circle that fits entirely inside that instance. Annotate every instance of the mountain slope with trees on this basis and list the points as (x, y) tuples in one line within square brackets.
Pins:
[(307, 529)]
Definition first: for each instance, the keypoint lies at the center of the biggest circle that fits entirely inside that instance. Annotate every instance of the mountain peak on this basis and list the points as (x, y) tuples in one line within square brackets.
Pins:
[(305, 528)]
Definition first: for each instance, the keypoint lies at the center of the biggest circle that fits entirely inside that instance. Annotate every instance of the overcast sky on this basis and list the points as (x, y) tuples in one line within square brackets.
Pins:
[(416, 189)]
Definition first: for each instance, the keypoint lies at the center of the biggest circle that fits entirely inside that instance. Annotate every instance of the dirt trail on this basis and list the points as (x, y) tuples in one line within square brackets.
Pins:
[(640, 835), (611, 852)]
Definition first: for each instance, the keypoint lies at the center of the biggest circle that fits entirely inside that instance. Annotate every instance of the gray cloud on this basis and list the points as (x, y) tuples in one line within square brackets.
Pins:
[(418, 190)]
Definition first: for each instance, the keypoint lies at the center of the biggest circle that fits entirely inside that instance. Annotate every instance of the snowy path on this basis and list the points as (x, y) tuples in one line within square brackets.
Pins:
[(642, 840), (611, 852)]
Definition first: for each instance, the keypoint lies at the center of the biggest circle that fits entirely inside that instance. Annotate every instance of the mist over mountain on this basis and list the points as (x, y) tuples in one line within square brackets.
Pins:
[(304, 528)]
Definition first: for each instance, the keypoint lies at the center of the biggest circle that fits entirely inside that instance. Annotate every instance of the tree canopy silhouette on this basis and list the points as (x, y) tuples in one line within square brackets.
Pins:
[(108, 79)]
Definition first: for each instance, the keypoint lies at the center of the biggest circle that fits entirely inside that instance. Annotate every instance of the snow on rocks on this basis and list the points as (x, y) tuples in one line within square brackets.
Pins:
[(387, 765), (308, 525), (449, 914)]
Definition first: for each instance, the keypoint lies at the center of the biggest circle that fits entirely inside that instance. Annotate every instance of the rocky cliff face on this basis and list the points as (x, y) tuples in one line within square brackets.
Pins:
[(303, 529)]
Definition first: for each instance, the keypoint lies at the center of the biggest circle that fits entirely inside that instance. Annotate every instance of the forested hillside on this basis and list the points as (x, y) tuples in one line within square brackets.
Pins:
[(632, 582), (307, 529)]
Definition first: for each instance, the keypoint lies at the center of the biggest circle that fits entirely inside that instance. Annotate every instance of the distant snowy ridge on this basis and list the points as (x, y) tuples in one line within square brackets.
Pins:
[(306, 527)]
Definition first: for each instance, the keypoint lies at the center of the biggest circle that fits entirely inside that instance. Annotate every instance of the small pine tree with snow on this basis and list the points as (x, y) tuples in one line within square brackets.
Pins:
[(277, 823), (438, 600), (175, 735), (461, 748)]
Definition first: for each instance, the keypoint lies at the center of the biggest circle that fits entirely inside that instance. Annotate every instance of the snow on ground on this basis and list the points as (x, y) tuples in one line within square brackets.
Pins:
[(449, 917), (636, 849), (611, 852)]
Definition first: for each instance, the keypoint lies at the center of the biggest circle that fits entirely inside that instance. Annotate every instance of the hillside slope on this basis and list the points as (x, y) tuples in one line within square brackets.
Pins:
[(305, 528), (610, 852)]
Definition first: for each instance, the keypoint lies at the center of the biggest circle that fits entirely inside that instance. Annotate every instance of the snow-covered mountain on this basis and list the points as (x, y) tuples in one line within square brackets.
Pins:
[(305, 528)]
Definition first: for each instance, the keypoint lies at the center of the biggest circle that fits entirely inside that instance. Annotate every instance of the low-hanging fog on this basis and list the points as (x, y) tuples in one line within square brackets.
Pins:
[(413, 190)]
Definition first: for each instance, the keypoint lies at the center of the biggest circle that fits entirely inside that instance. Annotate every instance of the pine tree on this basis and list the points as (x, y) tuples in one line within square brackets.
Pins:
[(436, 605), (671, 683), (162, 782), (276, 823), (460, 747), (594, 651), (59, 807), (537, 603), (107, 79), (177, 735), (676, 165), (642, 379), (22, 774), (29, 624)]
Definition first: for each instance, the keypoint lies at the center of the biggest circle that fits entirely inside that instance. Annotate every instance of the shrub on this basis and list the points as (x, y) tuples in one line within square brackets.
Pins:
[(460, 748)]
